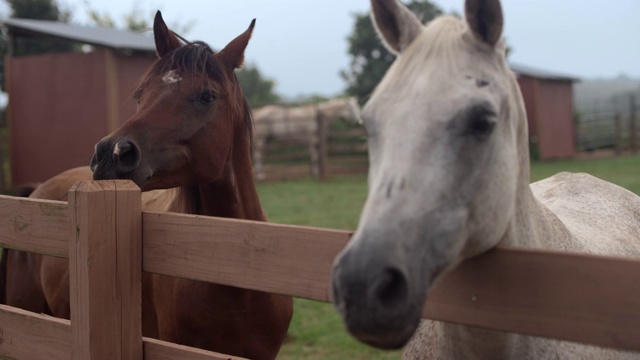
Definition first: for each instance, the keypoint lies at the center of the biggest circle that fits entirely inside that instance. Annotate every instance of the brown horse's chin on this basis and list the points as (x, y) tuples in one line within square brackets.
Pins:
[(138, 177)]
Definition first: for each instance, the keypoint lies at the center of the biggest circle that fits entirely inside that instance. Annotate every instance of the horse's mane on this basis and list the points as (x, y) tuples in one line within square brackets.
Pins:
[(196, 58)]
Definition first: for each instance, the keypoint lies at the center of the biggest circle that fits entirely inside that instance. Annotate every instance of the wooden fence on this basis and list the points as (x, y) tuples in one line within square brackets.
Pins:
[(109, 242), (341, 148), (611, 124)]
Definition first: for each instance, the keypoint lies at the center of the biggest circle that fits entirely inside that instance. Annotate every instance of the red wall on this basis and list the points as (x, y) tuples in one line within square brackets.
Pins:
[(59, 108), (528, 90), (556, 126), (549, 106)]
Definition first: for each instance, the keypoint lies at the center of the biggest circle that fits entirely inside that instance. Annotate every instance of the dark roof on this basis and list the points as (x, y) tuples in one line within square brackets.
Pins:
[(540, 74), (111, 38)]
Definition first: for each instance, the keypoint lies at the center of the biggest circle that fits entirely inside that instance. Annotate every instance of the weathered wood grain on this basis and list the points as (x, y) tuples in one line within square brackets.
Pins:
[(105, 270), (39, 226), (162, 350), (577, 297), (27, 335), (256, 255)]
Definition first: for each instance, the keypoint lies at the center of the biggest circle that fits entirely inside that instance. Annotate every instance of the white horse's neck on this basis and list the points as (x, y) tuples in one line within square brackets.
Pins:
[(533, 224)]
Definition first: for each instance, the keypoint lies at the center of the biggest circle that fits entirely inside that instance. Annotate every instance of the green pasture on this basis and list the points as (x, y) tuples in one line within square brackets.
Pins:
[(316, 331)]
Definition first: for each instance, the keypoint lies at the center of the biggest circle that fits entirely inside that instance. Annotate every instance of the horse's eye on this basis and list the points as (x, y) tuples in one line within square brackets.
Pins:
[(207, 97)]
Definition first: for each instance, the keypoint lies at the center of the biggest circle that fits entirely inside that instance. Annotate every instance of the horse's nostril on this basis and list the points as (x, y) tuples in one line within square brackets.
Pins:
[(122, 148), (127, 156), (392, 290)]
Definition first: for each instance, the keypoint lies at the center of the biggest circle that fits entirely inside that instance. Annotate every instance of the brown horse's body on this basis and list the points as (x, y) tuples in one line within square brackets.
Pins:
[(190, 135)]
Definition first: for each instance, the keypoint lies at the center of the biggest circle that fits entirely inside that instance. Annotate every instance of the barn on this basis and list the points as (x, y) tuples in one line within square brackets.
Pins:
[(88, 91), (548, 99)]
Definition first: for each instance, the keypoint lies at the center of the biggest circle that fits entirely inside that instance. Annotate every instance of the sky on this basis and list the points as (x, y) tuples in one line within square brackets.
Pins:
[(302, 44)]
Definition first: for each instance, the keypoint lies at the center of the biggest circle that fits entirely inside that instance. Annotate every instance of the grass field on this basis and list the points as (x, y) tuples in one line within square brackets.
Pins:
[(316, 331)]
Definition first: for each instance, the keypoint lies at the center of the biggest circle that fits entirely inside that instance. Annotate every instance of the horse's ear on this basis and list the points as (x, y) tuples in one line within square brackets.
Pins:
[(395, 23), (166, 41), (485, 19), (233, 53)]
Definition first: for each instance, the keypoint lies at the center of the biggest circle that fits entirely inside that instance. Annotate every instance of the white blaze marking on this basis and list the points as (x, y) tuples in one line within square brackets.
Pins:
[(171, 77)]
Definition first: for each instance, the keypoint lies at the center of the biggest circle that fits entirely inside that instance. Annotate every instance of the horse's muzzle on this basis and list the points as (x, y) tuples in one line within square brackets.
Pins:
[(372, 293), (115, 160)]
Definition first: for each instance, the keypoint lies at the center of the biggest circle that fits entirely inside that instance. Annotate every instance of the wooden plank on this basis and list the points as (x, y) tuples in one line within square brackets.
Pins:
[(27, 335), (129, 266), (20, 330), (162, 350), (39, 226), (276, 258), (574, 297), (577, 297), (105, 302)]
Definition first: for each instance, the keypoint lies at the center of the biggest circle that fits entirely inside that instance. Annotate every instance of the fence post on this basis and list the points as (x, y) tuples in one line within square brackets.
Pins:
[(617, 121), (105, 269), (323, 152), (633, 129)]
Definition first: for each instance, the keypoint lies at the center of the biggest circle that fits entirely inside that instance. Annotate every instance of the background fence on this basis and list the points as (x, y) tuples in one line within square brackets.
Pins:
[(341, 148), (575, 297), (609, 124)]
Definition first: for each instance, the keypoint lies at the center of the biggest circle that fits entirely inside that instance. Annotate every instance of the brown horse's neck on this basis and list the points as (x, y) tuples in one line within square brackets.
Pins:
[(234, 194)]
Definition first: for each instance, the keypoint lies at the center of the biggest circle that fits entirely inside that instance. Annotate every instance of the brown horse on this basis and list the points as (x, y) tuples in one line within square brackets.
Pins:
[(191, 134)]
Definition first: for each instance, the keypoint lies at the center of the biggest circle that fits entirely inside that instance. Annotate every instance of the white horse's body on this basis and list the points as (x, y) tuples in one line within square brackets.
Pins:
[(449, 180), (567, 212), (299, 124)]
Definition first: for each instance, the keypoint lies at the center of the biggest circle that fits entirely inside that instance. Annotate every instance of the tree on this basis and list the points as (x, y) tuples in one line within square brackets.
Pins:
[(369, 58), (25, 45), (258, 89), (135, 20)]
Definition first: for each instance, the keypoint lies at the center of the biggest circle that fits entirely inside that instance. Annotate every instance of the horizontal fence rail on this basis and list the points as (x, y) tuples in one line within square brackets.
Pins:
[(577, 297), (39, 226), (26, 335)]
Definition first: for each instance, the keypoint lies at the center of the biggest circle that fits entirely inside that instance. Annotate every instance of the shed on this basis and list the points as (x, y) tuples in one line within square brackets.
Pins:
[(62, 104), (548, 98)]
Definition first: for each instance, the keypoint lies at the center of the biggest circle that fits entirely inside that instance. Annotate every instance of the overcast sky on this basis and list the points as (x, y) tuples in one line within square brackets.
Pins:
[(302, 45)]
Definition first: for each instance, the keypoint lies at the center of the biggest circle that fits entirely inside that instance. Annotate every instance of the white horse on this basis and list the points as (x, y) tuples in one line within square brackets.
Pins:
[(449, 180), (299, 124)]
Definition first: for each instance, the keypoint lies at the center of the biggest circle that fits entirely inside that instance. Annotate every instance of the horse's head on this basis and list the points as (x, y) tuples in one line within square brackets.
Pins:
[(445, 128), (190, 111)]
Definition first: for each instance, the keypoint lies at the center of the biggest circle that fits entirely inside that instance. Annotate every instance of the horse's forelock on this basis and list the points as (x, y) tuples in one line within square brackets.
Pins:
[(195, 58)]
